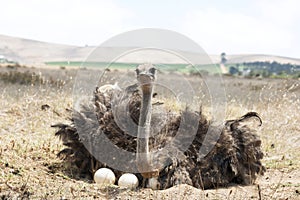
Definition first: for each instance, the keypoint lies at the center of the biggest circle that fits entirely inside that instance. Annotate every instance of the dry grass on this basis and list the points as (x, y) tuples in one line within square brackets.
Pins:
[(29, 167)]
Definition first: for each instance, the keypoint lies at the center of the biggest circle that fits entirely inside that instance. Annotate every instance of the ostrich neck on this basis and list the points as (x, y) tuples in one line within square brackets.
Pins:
[(143, 157)]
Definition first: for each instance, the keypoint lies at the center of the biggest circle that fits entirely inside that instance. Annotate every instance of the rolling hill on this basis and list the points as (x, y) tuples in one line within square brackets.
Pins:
[(37, 52)]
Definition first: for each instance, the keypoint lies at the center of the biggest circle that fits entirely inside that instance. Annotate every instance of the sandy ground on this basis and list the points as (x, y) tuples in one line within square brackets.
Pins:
[(29, 168)]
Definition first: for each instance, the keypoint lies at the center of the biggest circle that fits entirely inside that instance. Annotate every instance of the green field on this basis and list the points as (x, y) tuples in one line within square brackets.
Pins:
[(184, 68)]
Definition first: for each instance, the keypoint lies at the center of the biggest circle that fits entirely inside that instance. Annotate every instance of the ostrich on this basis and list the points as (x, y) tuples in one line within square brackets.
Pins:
[(235, 157)]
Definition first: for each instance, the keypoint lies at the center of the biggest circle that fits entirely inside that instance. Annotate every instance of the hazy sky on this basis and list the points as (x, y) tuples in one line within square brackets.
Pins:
[(232, 26)]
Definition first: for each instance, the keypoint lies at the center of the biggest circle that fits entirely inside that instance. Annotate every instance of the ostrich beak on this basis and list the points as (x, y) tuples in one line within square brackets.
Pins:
[(145, 80)]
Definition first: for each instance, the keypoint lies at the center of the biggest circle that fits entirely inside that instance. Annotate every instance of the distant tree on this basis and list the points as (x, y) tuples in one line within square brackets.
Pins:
[(265, 73), (233, 70)]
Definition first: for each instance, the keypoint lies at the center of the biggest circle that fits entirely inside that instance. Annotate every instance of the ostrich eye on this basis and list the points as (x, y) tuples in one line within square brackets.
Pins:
[(152, 70), (137, 71)]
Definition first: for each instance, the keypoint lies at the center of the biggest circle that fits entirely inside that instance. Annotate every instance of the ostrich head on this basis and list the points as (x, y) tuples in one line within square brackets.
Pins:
[(146, 77)]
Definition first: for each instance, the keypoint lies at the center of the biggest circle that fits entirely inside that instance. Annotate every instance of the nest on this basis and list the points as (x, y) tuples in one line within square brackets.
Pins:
[(235, 157)]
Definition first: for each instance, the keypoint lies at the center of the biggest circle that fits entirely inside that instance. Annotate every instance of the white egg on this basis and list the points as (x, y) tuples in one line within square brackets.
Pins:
[(104, 176), (153, 183), (129, 181)]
